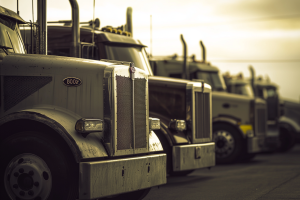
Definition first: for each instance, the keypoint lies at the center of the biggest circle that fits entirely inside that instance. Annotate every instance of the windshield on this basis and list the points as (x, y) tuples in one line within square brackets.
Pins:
[(10, 36), (214, 79), (243, 89), (134, 54)]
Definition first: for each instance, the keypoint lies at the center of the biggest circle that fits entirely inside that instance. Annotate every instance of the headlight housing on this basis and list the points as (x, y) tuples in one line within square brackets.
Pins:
[(178, 125), (86, 126), (154, 123)]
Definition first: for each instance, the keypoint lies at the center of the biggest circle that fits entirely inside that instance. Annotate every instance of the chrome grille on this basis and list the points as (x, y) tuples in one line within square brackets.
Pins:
[(140, 113), (202, 115), (125, 113), (261, 121)]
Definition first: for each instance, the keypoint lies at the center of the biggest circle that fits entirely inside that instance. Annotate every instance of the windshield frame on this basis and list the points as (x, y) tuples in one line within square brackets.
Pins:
[(213, 84), (139, 52), (11, 39)]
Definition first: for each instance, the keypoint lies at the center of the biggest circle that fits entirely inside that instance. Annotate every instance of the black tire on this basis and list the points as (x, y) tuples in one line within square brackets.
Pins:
[(136, 195), (53, 152), (287, 139), (229, 144)]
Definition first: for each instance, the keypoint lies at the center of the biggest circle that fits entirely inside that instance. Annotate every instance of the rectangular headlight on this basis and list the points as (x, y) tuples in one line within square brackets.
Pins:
[(89, 125), (154, 123), (178, 125)]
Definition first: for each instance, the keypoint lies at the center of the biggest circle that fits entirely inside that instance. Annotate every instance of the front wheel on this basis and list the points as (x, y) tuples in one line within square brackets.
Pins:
[(36, 166), (228, 144)]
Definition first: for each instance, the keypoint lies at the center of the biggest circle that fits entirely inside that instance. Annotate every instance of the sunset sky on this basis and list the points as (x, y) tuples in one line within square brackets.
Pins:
[(264, 34)]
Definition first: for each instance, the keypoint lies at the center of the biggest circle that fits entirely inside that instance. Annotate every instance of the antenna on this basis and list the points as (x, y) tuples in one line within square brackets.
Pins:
[(93, 40), (150, 36)]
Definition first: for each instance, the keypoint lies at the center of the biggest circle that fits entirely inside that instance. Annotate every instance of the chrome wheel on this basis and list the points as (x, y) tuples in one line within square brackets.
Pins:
[(224, 142), (27, 176)]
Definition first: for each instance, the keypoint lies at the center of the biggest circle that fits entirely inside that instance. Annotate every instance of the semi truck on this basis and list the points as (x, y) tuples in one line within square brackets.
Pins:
[(282, 120), (239, 122), (73, 128), (183, 106)]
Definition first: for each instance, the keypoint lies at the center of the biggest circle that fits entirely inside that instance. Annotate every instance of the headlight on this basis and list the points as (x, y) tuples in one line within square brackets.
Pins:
[(86, 126), (154, 123), (178, 125)]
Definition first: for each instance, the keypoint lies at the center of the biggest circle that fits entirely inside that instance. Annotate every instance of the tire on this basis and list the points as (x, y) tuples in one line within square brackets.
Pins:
[(228, 143), (287, 140), (182, 173), (136, 195), (40, 167)]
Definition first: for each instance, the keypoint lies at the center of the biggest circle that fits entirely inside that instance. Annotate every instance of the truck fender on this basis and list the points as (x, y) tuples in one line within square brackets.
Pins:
[(61, 123), (287, 122), (232, 121)]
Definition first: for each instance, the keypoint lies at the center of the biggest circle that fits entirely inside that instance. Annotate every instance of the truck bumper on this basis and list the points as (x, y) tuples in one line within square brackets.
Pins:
[(193, 156), (255, 144), (272, 141), (110, 177)]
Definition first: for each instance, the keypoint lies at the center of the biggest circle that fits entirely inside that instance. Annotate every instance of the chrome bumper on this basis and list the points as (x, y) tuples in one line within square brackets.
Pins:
[(255, 144), (110, 177), (193, 156)]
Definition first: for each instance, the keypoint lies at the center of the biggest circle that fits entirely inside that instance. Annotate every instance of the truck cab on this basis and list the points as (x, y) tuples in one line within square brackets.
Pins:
[(239, 122), (183, 106), (264, 90), (69, 128)]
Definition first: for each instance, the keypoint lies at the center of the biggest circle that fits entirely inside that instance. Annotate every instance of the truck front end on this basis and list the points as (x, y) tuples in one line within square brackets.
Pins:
[(184, 108), (98, 111)]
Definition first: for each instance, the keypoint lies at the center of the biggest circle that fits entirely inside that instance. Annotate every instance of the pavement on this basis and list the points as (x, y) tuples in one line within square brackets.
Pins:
[(271, 176)]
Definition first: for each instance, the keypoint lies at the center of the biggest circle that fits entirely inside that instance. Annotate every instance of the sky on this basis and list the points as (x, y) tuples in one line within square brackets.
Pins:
[(236, 34)]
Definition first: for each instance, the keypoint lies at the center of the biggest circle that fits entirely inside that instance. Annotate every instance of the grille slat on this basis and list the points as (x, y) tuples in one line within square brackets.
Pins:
[(202, 115), (261, 121)]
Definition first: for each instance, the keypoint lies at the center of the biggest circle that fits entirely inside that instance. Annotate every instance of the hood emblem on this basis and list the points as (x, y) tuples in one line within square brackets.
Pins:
[(132, 70), (72, 81)]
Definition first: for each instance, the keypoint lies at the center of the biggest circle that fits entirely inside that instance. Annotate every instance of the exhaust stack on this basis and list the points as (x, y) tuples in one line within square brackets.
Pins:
[(203, 51), (75, 44), (252, 73), (129, 20), (186, 70), (41, 47)]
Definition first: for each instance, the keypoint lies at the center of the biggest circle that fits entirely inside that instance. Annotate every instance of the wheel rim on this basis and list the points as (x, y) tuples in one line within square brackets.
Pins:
[(27, 176), (224, 143)]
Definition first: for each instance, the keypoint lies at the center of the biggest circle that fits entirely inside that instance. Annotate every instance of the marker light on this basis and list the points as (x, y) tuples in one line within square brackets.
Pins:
[(119, 31), (178, 125), (154, 123), (86, 126)]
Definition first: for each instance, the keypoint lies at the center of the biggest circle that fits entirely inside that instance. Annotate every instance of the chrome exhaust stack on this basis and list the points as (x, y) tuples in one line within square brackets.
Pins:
[(186, 70), (128, 27), (75, 44), (41, 43), (203, 51)]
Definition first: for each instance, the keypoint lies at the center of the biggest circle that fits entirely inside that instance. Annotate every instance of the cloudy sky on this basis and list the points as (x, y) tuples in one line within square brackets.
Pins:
[(264, 34)]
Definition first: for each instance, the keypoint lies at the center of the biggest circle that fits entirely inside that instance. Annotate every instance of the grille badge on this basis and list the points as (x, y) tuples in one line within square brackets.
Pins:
[(72, 81), (132, 70)]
